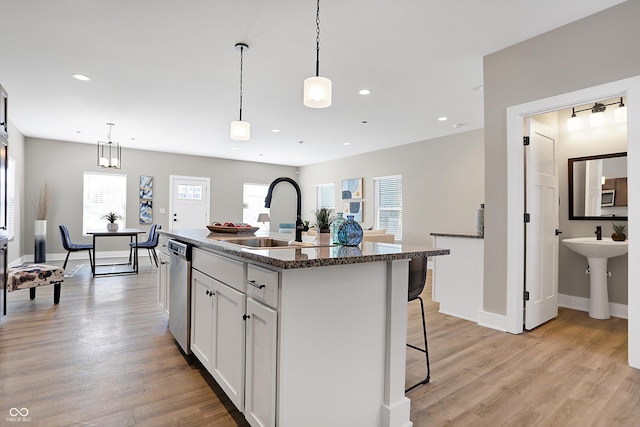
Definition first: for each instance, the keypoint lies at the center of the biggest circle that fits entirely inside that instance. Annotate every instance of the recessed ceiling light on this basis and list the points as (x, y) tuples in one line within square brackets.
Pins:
[(365, 122), (234, 148), (458, 125), (275, 130), (478, 88), (81, 77), (347, 143), (78, 131), (300, 142), (443, 118), (364, 92)]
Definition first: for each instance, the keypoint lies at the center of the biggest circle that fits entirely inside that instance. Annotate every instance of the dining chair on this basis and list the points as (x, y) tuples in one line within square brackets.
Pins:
[(417, 279), (149, 244), (69, 246)]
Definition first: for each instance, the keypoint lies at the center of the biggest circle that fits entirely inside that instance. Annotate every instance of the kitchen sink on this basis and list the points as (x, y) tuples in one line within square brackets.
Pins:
[(263, 242)]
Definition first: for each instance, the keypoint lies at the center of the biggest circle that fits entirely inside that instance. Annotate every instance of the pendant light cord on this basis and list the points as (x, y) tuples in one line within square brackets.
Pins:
[(109, 132), (241, 68), (318, 39)]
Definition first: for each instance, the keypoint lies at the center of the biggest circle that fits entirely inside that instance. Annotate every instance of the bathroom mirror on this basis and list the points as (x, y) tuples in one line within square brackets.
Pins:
[(598, 187)]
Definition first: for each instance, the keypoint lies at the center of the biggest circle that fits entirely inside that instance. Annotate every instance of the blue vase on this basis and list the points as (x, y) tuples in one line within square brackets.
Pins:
[(335, 226), (350, 233)]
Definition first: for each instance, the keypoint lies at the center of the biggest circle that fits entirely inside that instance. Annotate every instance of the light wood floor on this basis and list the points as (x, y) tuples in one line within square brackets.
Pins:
[(103, 357)]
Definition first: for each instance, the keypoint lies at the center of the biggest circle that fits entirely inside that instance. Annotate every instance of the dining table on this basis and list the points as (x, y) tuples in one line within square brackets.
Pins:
[(132, 266)]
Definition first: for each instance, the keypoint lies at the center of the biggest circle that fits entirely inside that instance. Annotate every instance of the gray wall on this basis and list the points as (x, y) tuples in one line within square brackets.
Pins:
[(442, 183), (62, 165), (560, 61)]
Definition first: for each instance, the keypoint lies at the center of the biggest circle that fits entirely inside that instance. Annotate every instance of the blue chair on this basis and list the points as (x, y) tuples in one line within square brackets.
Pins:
[(149, 244), (74, 247)]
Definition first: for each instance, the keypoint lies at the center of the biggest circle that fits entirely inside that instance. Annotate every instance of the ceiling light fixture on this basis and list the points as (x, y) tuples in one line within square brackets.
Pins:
[(109, 154), (317, 90), (364, 92), (597, 115), (81, 77), (241, 130), (443, 119)]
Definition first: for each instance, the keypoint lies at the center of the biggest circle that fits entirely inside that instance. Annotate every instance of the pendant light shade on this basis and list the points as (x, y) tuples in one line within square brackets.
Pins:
[(241, 130), (109, 154), (317, 90)]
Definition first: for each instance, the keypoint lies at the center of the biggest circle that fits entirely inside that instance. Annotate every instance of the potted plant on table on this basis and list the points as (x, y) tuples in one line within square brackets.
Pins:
[(112, 217), (324, 218)]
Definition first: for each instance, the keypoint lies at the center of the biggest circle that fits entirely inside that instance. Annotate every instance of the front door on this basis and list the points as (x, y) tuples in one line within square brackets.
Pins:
[(190, 205), (541, 241)]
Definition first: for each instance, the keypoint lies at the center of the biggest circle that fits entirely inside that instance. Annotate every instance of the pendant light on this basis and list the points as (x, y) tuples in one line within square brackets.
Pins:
[(317, 90), (109, 154), (241, 130)]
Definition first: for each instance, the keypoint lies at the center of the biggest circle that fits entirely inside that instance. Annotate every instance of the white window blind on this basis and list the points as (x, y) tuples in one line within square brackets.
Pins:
[(103, 193), (388, 204), (253, 196), (326, 196)]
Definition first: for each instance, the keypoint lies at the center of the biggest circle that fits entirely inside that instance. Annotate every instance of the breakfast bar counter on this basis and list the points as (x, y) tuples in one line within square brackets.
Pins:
[(322, 328)]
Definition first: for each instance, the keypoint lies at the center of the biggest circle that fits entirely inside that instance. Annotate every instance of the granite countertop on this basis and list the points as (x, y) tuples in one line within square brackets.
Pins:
[(463, 235), (302, 256)]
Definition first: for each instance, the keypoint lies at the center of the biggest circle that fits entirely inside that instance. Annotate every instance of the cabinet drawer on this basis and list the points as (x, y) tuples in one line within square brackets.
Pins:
[(262, 285), (162, 245), (226, 270)]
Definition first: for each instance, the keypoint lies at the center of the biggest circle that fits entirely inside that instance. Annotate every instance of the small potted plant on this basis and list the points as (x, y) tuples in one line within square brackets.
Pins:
[(323, 224), (619, 232), (112, 217)]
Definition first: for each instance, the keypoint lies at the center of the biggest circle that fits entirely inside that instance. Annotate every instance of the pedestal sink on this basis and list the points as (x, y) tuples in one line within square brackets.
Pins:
[(597, 253)]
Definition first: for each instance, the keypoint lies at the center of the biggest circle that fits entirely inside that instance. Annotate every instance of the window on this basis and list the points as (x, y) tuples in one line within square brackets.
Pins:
[(388, 204), (103, 193), (326, 196), (11, 198), (253, 196)]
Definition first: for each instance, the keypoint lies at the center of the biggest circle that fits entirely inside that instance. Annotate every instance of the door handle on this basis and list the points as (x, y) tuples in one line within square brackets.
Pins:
[(558, 232)]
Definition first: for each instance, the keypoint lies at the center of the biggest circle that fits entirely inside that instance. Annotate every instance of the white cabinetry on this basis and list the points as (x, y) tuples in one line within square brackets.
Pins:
[(163, 275), (260, 364), (233, 336), (458, 277)]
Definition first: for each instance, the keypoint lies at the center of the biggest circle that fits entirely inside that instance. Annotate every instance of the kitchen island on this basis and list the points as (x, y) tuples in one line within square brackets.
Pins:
[(304, 335)]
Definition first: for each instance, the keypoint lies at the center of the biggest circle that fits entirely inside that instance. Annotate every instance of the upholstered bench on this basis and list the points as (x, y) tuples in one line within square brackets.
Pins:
[(30, 276)]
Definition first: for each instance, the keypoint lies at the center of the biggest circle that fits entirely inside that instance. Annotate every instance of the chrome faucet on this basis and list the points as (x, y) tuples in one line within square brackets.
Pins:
[(300, 227), (598, 232)]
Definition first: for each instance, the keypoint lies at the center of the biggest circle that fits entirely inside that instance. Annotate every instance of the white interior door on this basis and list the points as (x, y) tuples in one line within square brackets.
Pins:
[(189, 202), (541, 241)]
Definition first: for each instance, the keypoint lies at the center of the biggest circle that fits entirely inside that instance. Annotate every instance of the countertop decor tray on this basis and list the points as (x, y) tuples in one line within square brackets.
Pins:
[(234, 230)]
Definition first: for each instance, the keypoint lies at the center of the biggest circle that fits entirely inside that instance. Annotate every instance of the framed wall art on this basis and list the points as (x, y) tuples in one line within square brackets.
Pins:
[(352, 188), (146, 199)]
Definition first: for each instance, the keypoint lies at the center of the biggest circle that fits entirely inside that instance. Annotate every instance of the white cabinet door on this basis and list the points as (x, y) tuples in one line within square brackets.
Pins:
[(163, 282), (227, 362), (260, 396), (202, 317)]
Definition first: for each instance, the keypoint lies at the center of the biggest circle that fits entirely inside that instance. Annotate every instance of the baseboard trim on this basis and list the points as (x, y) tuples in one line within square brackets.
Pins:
[(582, 304)]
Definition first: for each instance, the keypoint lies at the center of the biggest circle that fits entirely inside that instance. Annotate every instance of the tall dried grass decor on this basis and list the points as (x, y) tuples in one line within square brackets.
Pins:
[(40, 226)]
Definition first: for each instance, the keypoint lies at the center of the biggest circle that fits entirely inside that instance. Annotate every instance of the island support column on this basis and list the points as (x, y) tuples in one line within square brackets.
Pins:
[(396, 406)]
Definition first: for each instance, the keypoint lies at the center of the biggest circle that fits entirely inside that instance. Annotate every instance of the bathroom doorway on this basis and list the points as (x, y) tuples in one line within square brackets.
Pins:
[(515, 198)]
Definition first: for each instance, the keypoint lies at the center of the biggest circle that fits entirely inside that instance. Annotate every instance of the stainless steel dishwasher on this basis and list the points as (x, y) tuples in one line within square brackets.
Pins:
[(180, 293)]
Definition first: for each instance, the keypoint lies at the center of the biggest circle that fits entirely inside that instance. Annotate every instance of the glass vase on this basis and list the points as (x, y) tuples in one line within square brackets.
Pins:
[(350, 233), (335, 226)]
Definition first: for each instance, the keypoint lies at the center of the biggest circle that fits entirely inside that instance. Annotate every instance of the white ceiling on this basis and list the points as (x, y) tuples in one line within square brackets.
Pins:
[(166, 72)]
